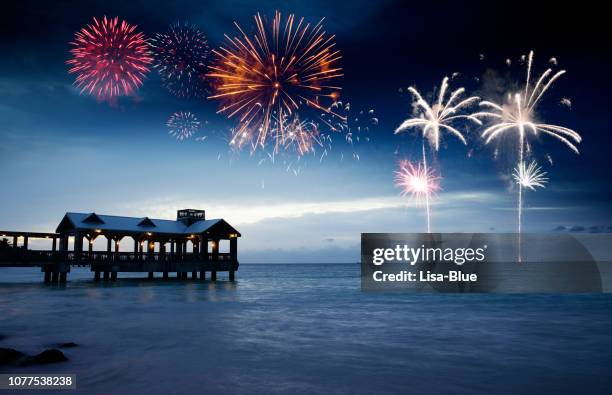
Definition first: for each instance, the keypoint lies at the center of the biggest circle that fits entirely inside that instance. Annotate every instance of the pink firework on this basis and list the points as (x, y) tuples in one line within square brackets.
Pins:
[(418, 182), (415, 180), (110, 58)]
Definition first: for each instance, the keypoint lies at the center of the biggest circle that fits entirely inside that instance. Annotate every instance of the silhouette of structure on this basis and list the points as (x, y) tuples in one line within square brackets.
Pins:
[(188, 244)]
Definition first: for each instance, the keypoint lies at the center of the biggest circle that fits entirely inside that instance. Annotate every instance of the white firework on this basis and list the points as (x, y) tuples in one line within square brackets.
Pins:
[(183, 125), (530, 176), (440, 116), (518, 113), (517, 116)]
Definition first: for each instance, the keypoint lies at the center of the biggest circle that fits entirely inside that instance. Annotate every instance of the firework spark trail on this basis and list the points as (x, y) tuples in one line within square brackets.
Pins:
[(110, 58), (300, 137), (180, 55), (273, 75), (418, 182), (300, 141), (183, 125), (518, 115), (531, 177), (348, 132), (438, 116), (427, 194)]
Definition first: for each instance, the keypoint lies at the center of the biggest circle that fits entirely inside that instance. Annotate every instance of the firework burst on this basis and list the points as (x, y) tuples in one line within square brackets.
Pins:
[(518, 113), (110, 58), (183, 125), (418, 182), (180, 55), (530, 176), (440, 116), (264, 80)]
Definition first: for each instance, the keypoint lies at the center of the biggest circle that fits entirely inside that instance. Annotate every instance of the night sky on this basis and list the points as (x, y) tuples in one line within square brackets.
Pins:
[(61, 151)]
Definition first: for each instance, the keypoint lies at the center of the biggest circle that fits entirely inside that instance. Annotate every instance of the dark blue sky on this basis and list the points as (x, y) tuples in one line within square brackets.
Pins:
[(61, 151)]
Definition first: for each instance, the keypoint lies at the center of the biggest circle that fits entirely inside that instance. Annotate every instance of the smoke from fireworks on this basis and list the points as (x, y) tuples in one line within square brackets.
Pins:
[(265, 80), (530, 176), (517, 116), (180, 55), (110, 58), (183, 125), (418, 182)]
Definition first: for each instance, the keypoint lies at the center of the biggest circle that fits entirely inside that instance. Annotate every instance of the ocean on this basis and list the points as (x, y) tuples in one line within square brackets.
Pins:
[(299, 328)]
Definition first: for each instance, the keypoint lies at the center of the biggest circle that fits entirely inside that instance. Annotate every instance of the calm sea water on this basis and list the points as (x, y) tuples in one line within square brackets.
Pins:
[(305, 329)]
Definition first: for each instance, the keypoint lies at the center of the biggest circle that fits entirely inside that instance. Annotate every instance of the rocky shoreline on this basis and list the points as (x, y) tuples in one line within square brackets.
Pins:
[(11, 356)]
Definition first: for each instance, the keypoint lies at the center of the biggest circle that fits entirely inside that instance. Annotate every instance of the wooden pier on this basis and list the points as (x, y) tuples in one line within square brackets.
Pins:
[(189, 244)]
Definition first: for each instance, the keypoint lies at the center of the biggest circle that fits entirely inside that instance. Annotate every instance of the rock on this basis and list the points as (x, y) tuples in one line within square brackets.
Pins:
[(66, 345), (9, 355), (51, 355)]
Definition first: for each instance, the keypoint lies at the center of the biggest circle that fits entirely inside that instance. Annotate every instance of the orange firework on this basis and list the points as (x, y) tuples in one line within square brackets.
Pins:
[(264, 81)]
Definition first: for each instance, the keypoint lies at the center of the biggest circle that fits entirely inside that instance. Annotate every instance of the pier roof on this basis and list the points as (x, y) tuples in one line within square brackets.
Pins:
[(99, 222)]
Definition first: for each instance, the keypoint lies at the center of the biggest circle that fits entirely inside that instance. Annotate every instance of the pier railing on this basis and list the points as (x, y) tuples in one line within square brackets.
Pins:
[(17, 256)]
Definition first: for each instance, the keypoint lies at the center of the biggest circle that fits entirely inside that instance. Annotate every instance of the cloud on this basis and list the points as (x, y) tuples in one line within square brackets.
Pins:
[(585, 229), (240, 214), (538, 208)]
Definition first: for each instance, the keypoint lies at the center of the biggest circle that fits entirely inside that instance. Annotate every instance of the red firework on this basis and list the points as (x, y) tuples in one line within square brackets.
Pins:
[(110, 58)]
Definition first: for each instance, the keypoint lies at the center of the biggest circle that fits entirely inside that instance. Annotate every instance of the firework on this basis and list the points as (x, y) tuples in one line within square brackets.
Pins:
[(298, 141), (183, 125), (517, 116), (346, 134), (530, 176), (266, 79), (300, 137), (419, 182), (110, 58), (440, 116), (180, 55)]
